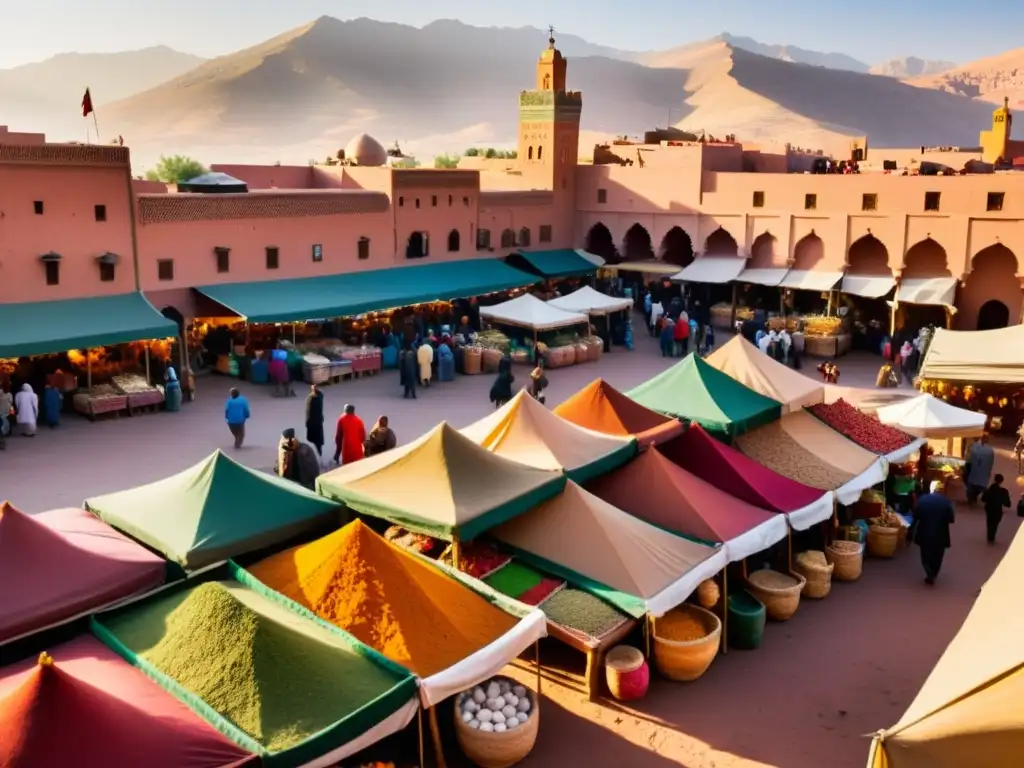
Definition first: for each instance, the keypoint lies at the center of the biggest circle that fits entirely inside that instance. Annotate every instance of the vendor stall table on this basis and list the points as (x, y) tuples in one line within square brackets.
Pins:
[(594, 648), (99, 405)]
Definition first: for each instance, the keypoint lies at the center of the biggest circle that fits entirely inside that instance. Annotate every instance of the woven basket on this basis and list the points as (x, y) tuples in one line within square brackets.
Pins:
[(882, 541), (708, 594), (626, 673), (847, 559), (781, 602), (499, 750), (582, 353), (685, 661), (472, 361), (819, 577)]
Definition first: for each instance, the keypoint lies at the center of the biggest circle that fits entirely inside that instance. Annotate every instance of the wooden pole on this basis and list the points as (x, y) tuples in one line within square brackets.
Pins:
[(735, 298), (789, 542), (435, 733), (88, 369), (536, 652), (293, 334), (423, 761), (828, 309), (892, 318), (456, 552), (725, 610), (149, 380)]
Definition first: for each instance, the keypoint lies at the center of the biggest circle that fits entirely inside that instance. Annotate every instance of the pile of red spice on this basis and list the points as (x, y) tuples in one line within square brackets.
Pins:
[(866, 431)]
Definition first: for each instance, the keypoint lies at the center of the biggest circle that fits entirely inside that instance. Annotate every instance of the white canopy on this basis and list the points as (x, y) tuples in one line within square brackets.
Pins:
[(527, 311), (768, 276), (868, 286), (593, 258), (927, 416), (712, 269), (811, 280), (588, 301), (980, 356), (936, 291)]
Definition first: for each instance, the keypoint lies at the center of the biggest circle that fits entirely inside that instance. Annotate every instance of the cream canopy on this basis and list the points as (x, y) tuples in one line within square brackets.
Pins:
[(587, 301), (927, 416), (979, 356), (742, 361), (527, 311)]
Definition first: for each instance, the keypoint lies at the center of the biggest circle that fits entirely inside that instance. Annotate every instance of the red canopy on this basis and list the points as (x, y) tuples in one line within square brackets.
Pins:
[(86, 706), (602, 408), (735, 473)]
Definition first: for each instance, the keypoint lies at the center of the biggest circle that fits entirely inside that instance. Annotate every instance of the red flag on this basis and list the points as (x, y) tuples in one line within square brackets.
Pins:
[(87, 104)]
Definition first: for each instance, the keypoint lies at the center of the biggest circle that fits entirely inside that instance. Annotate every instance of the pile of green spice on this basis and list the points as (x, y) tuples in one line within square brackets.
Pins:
[(579, 610), (276, 683)]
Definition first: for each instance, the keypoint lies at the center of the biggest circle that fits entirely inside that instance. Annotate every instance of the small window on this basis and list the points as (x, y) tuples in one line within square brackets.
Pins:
[(465, 201), (759, 199), (363, 248), (995, 201), (37, 206), (433, 201), (931, 200), (540, 152), (810, 202), (483, 239), (602, 195), (508, 238), (454, 241), (524, 237), (273, 258), (417, 202), (106, 272), (545, 233), (869, 201), (52, 272), (165, 269), (318, 253), (100, 212), (450, 200), (223, 259), (529, 154), (401, 202)]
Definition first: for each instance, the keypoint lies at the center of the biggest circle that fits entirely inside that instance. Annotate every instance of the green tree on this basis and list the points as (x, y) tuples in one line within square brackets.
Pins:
[(446, 161), (512, 154), (175, 169), (406, 162), (471, 152), (490, 153)]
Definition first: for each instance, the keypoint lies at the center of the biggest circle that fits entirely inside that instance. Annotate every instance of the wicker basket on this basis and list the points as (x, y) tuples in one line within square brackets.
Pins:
[(498, 750), (582, 353), (685, 661), (847, 559), (882, 541), (708, 594), (627, 673), (779, 592), (819, 577), (472, 361)]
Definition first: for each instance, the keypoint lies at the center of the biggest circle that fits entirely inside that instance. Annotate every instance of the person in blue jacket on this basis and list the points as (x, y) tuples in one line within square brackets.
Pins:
[(236, 413)]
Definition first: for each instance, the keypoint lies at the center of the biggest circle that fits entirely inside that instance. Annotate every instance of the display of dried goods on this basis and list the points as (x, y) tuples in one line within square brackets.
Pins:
[(791, 323), (866, 431), (680, 626), (492, 339), (415, 542), (541, 592), (498, 705), (872, 496), (812, 558), (128, 383), (581, 611), (845, 547), (822, 325), (772, 446), (477, 558), (888, 519)]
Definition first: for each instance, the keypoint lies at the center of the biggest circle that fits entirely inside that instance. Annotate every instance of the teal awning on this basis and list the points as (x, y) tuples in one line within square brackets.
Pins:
[(45, 327), (310, 298), (561, 262)]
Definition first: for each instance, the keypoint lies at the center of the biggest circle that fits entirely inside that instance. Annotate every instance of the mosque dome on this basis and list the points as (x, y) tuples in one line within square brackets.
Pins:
[(365, 150)]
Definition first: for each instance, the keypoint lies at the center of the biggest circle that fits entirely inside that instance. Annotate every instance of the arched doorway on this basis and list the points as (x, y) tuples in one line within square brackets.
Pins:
[(677, 247), (992, 281), (992, 315), (721, 243), (763, 253), (637, 246), (809, 252), (599, 241), (454, 241), (868, 256), (926, 259), (416, 247)]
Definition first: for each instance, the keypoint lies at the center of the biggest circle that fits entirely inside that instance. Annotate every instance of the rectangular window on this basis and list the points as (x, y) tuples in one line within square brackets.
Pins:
[(931, 200), (545, 233), (52, 272), (465, 201), (37, 206), (223, 259), (165, 269), (100, 212), (318, 253), (869, 201), (483, 239), (450, 200), (401, 201), (273, 258), (433, 201), (810, 202), (106, 273), (759, 199), (995, 201), (602, 195), (364, 248)]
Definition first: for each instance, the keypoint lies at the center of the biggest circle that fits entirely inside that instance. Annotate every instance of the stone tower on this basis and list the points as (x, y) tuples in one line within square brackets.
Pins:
[(996, 142)]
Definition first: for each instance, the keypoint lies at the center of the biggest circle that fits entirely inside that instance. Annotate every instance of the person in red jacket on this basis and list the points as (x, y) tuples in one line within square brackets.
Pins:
[(349, 437), (681, 335)]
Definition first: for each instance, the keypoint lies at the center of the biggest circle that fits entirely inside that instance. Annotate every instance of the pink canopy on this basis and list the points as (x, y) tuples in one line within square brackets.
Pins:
[(62, 563)]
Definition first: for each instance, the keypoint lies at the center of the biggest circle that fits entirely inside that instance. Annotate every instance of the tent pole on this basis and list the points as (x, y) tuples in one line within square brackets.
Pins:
[(828, 309), (435, 733), (735, 298), (536, 652), (647, 635), (420, 723), (725, 609), (293, 334), (88, 369), (892, 318), (456, 552), (744, 565), (149, 379), (789, 543)]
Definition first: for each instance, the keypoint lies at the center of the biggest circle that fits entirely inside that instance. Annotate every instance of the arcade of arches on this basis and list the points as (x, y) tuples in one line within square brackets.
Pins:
[(868, 256), (808, 253), (721, 243), (677, 247), (599, 241), (637, 246), (991, 296), (764, 253)]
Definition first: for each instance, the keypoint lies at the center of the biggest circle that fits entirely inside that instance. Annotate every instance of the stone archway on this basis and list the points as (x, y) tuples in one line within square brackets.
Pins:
[(763, 252), (992, 280), (809, 251), (926, 259), (637, 245), (416, 246), (868, 256), (721, 243), (599, 241), (992, 315), (677, 247)]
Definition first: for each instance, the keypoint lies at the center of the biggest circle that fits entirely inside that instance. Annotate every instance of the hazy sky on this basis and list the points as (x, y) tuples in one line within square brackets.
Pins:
[(870, 30)]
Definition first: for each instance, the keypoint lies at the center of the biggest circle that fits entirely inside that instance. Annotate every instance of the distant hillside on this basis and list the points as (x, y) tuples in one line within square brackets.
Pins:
[(911, 66), (989, 79)]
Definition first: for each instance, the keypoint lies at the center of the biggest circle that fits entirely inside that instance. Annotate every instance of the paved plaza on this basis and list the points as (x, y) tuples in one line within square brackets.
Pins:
[(808, 698)]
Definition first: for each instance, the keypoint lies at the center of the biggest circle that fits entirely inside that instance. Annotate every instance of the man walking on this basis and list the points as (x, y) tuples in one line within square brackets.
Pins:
[(932, 517), (995, 498), (236, 413)]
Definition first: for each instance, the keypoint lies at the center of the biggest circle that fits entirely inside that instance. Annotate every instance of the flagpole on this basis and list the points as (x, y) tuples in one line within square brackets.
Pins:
[(96, 123)]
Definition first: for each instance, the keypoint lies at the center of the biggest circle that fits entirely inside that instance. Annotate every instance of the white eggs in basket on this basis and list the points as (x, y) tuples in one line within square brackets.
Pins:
[(497, 706)]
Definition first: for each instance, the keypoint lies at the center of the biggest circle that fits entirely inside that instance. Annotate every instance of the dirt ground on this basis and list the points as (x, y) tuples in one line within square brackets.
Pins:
[(821, 683)]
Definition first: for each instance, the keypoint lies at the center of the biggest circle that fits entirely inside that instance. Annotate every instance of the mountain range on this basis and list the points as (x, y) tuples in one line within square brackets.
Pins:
[(447, 86)]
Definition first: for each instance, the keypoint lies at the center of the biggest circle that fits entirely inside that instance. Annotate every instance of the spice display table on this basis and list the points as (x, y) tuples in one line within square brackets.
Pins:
[(148, 400), (99, 405), (594, 648), (364, 362)]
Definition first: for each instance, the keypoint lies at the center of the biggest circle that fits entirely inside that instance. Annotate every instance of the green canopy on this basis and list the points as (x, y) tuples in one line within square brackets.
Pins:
[(353, 293), (694, 391), (560, 262), (45, 327), (212, 511)]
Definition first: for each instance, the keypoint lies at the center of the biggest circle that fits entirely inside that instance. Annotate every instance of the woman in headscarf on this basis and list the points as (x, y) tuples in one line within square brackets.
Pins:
[(407, 373), (315, 419), (501, 390), (26, 403), (425, 358), (381, 438), (53, 400)]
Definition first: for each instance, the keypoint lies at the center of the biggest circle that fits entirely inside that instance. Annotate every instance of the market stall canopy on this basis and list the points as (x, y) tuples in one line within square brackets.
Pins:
[(212, 511), (451, 631), (894, 445), (976, 356), (82, 704), (715, 270), (527, 311), (46, 327), (867, 400), (868, 286), (633, 565), (525, 431), (442, 484), (745, 363), (593, 258), (738, 475), (935, 291), (602, 408), (587, 301), (695, 391), (800, 447), (60, 564), (645, 266), (556, 263), (810, 280), (968, 711), (770, 276), (654, 489), (930, 417), (355, 293)]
